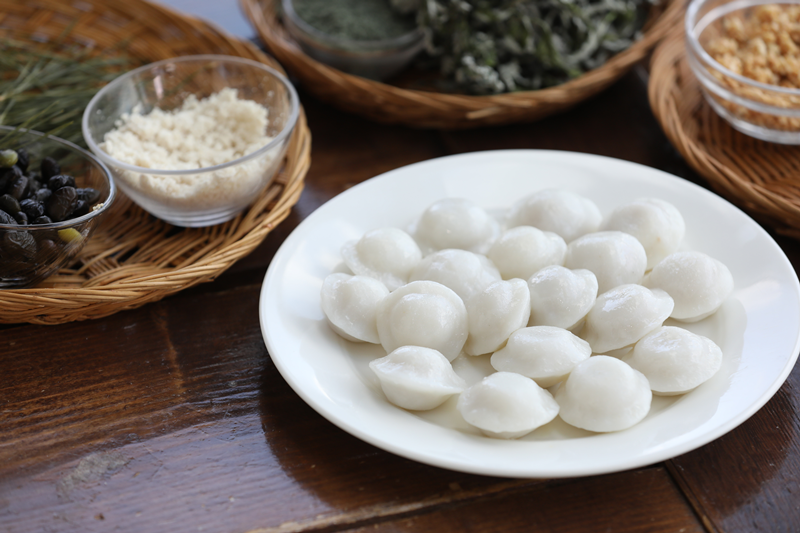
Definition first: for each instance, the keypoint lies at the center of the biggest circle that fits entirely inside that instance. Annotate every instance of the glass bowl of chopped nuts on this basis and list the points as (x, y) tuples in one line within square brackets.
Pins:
[(746, 55), (52, 194), (193, 140)]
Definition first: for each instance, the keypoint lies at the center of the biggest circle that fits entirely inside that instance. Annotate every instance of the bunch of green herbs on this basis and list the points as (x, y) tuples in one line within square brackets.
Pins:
[(497, 46), (47, 88)]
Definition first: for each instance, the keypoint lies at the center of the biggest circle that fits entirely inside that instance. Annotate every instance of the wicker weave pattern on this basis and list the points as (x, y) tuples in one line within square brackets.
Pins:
[(758, 176), (133, 258), (386, 103)]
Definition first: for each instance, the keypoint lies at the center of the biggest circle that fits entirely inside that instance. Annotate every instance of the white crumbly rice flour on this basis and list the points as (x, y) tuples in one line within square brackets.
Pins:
[(199, 134)]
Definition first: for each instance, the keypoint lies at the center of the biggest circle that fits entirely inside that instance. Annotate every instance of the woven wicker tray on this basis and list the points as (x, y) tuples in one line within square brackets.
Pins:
[(133, 258), (390, 104), (758, 176)]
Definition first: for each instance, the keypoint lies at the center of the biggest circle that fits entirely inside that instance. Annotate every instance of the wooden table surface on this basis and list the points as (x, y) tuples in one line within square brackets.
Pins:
[(172, 417)]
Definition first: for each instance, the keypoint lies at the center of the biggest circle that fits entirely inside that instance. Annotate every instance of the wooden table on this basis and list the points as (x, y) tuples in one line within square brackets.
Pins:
[(173, 417)]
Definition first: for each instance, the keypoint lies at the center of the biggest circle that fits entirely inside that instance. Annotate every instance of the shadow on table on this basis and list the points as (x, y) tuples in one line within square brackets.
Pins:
[(344, 471)]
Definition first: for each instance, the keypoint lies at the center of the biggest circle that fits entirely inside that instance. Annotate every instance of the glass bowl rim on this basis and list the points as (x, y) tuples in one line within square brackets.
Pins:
[(351, 45), (294, 113), (112, 189), (709, 83), (691, 27)]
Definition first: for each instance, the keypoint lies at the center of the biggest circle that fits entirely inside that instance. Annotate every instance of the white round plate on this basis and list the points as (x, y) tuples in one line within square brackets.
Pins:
[(757, 328)]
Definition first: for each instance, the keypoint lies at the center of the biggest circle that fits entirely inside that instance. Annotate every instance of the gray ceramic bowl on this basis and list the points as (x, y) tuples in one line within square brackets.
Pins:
[(375, 60)]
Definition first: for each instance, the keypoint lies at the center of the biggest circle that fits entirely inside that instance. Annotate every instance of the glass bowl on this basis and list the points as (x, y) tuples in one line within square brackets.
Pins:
[(189, 194), (719, 54), (376, 60), (30, 253)]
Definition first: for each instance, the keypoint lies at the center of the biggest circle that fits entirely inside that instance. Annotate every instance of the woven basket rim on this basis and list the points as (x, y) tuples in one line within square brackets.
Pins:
[(137, 283), (745, 170), (450, 109)]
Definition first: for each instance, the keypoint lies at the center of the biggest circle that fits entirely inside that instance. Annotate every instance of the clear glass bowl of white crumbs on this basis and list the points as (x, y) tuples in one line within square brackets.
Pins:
[(193, 140)]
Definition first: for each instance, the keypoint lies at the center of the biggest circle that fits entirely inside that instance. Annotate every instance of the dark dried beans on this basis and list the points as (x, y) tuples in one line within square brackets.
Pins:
[(31, 197)]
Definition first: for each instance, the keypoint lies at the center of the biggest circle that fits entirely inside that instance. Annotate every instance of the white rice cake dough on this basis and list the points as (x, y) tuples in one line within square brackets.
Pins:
[(623, 315), (616, 258), (495, 313), (423, 313), (417, 378), (566, 213), (604, 394), (350, 304), (675, 360), (455, 223), (698, 283), (505, 405), (386, 254), (522, 251), (655, 223), (466, 273), (561, 297), (543, 353)]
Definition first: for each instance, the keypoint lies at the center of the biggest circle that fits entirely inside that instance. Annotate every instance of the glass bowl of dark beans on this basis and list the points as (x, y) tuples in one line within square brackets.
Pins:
[(52, 194)]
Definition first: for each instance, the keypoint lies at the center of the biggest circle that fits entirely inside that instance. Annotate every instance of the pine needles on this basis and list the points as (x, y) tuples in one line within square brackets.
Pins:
[(47, 89)]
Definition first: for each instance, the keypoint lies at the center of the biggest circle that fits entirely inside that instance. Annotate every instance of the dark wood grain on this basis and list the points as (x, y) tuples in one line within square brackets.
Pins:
[(184, 421), (748, 479), (643, 502), (186, 412), (172, 417)]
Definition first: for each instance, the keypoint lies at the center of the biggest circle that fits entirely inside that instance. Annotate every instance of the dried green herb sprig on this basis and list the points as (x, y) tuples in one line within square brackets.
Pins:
[(48, 89), (496, 46)]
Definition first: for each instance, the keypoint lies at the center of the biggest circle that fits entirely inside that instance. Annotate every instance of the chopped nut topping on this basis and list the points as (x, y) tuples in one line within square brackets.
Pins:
[(762, 44)]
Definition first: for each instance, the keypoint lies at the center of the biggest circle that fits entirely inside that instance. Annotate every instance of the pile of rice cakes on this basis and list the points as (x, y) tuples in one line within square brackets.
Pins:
[(570, 306)]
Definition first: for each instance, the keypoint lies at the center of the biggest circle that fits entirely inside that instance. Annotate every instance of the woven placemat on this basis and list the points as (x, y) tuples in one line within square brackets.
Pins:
[(134, 258), (762, 178), (387, 103)]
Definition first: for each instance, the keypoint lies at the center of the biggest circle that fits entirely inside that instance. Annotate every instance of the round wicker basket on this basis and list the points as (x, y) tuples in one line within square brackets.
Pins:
[(133, 258), (758, 176), (390, 104)]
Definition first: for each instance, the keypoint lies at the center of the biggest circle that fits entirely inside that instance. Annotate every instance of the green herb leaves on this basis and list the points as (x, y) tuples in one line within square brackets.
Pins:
[(496, 46)]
